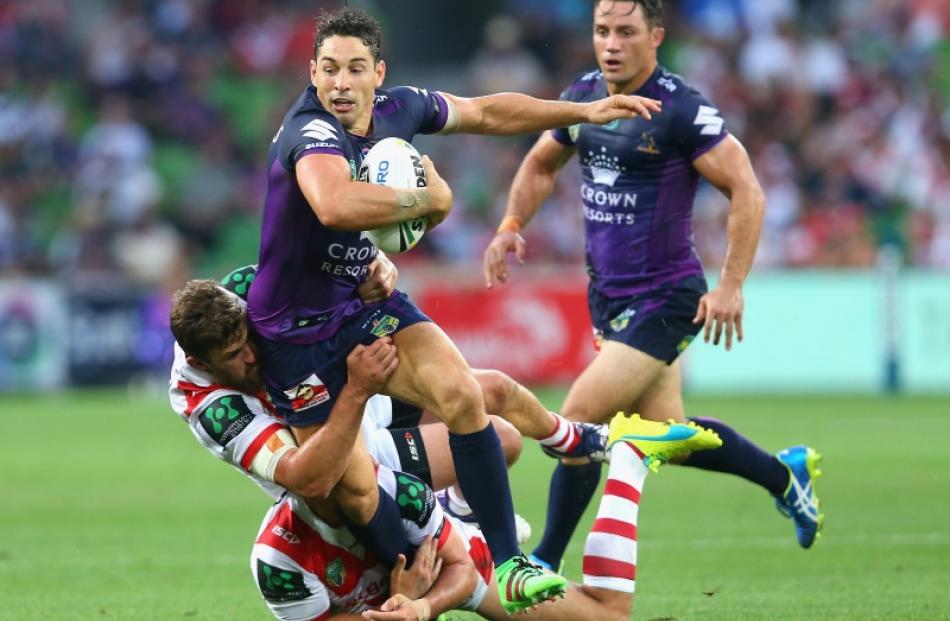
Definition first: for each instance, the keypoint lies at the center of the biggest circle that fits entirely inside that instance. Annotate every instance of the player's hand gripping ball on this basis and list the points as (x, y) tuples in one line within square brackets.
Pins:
[(395, 163)]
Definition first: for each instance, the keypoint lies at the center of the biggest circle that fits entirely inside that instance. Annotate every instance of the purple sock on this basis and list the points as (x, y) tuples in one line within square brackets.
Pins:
[(572, 487), (384, 535), (483, 476), (739, 456)]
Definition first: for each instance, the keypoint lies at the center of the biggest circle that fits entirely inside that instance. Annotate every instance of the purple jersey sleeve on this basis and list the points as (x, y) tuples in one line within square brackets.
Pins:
[(311, 131), (697, 125), (428, 110)]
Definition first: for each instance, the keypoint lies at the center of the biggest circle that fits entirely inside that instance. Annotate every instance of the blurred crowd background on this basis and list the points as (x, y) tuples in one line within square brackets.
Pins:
[(133, 134)]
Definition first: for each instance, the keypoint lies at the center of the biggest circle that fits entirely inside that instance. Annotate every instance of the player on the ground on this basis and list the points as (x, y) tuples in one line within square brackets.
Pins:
[(647, 294), (217, 387), (304, 310), (307, 565)]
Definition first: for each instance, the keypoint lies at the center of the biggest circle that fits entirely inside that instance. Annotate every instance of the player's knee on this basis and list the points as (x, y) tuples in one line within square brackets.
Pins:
[(460, 403), (496, 389), (511, 441)]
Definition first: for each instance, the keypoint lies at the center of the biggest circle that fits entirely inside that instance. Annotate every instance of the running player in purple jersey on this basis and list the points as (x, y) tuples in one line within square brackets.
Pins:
[(647, 293), (304, 309)]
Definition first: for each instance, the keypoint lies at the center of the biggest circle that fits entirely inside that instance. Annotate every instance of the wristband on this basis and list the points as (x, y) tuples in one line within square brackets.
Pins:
[(510, 224)]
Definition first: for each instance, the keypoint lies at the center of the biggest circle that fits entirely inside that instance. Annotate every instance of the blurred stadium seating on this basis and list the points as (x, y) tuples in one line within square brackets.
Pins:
[(133, 136)]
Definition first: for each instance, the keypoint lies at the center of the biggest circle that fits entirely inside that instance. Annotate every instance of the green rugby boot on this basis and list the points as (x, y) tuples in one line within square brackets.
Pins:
[(522, 585)]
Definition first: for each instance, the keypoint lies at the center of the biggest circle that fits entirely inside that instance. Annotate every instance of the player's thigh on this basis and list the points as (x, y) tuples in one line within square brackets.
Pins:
[(663, 397), (611, 383), (433, 375)]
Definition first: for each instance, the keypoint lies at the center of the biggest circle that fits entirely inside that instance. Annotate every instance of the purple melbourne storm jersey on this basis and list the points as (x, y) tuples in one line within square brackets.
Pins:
[(639, 184), (307, 274)]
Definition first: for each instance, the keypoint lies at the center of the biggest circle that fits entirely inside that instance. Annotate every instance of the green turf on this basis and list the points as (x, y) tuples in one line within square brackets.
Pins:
[(110, 510)]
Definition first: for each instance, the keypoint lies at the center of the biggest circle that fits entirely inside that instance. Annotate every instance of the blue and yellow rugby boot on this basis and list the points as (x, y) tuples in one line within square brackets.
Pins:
[(799, 501)]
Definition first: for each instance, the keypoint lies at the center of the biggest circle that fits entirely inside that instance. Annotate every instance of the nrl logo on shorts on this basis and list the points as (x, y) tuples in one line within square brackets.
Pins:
[(384, 326), (621, 321), (574, 131), (336, 573), (308, 393)]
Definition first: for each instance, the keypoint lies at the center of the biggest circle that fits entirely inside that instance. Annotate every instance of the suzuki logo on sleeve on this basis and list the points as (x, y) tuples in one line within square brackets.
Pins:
[(709, 118)]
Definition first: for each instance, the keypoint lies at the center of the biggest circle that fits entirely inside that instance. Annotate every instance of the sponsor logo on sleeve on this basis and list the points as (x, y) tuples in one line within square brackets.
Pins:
[(710, 120), (320, 130), (415, 499), (307, 394), (226, 418), (280, 585)]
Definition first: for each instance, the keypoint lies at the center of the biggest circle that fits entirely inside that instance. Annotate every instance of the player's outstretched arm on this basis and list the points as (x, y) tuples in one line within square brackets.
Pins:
[(727, 167), (533, 183), (315, 468), (507, 114), (346, 205)]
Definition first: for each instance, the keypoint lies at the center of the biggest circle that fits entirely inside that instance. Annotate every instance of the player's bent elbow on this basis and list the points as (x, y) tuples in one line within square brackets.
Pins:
[(307, 483), (318, 487), (329, 217)]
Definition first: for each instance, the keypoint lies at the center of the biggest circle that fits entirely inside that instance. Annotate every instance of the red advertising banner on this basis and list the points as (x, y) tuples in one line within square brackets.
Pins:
[(535, 330)]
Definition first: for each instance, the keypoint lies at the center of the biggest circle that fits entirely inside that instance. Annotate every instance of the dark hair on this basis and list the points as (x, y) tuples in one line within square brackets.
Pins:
[(349, 22), (205, 318), (652, 9)]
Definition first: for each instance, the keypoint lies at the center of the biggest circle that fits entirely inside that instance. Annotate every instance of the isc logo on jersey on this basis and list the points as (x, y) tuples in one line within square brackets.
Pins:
[(395, 163), (307, 394)]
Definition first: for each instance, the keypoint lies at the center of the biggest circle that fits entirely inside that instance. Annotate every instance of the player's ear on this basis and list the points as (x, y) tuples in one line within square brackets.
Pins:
[(198, 363), (656, 37), (313, 72), (380, 69)]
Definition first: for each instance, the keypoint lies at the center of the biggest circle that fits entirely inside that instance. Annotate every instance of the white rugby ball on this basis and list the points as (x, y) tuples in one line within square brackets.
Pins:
[(395, 163)]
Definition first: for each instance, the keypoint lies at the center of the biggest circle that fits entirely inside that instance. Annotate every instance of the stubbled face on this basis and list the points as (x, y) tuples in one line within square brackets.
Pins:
[(346, 78), (234, 365), (624, 43)]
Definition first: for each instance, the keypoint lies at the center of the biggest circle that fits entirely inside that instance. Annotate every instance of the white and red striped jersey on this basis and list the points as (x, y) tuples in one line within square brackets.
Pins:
[(245, 431), (238, 428), (308, 570)]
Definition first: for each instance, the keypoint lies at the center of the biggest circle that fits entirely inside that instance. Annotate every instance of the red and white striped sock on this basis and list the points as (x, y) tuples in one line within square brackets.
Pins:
[(610, 553), (563, 439)]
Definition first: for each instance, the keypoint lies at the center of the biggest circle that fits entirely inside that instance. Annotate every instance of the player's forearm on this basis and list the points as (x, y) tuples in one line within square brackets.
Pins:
[(745, 223), (363, 206), (316, 467), (455, 583), (533, 183), (508, 114)]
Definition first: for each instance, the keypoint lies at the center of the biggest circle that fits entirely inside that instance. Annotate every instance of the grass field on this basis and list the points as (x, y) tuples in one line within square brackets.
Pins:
[(110, 510)]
